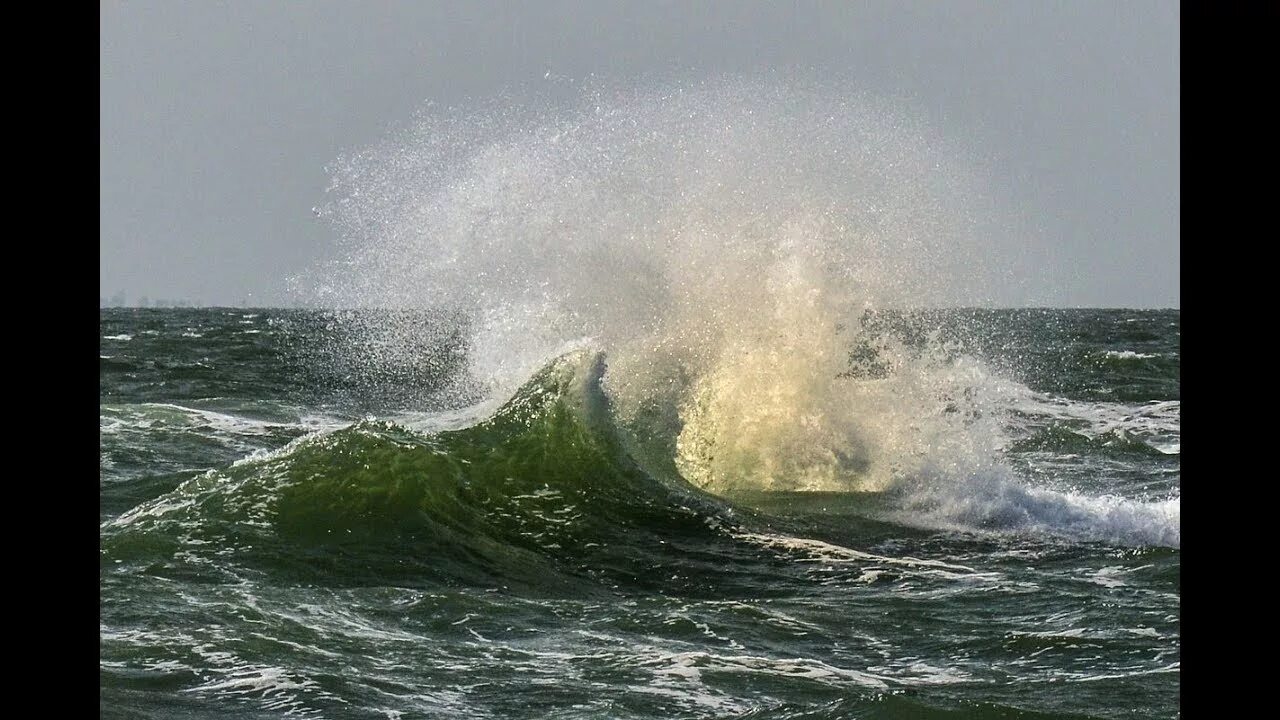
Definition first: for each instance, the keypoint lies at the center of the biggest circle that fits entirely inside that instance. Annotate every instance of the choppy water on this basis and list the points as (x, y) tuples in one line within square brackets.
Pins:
[(668, 443), (977, 516)]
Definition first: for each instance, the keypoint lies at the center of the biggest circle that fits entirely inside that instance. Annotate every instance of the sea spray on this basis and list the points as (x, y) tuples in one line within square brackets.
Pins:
[(725, 244)]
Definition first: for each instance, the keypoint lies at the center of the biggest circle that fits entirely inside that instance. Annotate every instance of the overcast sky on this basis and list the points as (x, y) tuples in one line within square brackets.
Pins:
[(217, 119)]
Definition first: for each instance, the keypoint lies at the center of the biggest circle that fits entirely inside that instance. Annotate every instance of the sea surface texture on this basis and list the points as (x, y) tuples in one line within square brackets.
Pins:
[(827, 513)]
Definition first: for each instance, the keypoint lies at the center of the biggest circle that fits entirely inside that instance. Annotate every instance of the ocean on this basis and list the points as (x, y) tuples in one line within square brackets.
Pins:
[(965, 513), (678, 402)]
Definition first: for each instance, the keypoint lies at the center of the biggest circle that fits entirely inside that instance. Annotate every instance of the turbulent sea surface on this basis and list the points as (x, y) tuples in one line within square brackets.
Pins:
[(954, 514), (636, 410)]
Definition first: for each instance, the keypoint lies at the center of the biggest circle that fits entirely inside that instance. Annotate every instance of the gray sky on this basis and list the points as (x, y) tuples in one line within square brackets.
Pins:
[(217, 119)]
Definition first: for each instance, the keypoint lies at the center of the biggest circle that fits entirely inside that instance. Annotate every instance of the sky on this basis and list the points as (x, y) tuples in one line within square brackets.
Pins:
[(217, 119)]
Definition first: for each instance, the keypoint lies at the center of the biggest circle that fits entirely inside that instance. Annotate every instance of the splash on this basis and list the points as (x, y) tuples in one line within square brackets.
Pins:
[(724, 244)]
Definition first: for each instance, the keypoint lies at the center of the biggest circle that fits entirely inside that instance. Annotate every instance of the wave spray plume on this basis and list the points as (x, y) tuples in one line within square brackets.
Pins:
[(730, 247)]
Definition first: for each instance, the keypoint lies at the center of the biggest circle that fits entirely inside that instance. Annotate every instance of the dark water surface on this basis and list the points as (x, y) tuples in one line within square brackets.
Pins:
[(286, 531)]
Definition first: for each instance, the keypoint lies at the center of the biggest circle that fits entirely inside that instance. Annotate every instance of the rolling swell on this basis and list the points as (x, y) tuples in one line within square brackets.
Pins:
[(547, 496), (540, 495)]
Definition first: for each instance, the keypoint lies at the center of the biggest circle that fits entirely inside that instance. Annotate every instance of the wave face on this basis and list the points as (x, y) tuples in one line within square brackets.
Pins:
[(533, 494)]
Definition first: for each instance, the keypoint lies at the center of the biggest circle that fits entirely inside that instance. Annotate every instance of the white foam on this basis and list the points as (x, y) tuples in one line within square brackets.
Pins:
[(791, 667), (1128, 355), (150, 415), (1156, 423), (826, 553), (1005, 505)]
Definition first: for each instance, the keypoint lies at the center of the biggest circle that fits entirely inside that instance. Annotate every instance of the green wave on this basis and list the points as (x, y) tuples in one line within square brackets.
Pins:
[(542, 492)]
